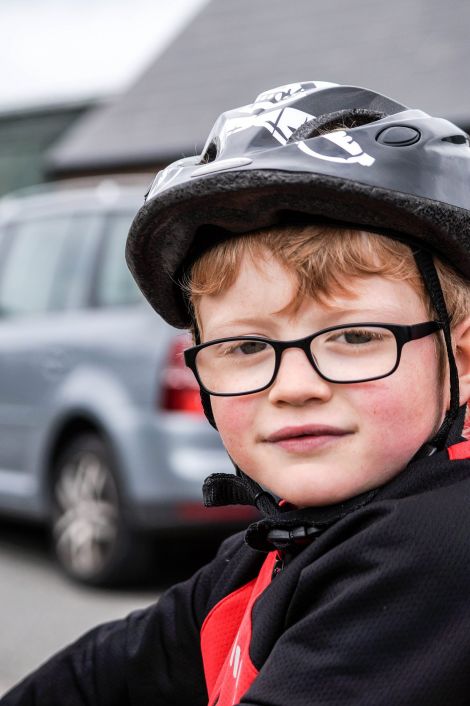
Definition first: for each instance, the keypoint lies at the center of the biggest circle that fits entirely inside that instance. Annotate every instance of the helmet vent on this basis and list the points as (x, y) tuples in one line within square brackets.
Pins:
[(457, 139), (339, 120), (210, 154)]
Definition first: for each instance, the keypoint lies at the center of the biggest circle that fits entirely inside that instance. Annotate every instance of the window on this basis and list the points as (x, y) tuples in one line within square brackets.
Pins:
[(115, 286), (35, 250), (75, 272)]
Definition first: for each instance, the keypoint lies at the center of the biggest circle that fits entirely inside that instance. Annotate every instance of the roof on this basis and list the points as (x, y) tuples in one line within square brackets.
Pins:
[(415, 52)]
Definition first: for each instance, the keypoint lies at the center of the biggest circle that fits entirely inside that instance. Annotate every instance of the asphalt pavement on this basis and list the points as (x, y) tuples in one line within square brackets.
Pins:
[(41, 611)]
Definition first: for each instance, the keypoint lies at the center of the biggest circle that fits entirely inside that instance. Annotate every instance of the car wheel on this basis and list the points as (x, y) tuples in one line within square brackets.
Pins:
[(91, 539)]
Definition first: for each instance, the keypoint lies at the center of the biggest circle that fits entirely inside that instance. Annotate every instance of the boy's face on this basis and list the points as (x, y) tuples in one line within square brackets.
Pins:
[(377, 426)]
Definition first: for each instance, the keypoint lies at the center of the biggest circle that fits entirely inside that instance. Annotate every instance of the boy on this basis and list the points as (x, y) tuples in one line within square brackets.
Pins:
[(333, 355)]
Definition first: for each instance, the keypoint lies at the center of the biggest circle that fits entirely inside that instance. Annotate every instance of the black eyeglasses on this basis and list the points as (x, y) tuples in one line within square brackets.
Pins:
[(242, 365)]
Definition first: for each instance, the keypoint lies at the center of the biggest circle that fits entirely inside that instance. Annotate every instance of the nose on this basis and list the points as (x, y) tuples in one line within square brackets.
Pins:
[(297, 382)]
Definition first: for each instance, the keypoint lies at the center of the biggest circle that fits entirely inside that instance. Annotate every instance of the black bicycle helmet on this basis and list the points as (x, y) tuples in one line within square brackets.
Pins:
[(324, 152), (331, 152)]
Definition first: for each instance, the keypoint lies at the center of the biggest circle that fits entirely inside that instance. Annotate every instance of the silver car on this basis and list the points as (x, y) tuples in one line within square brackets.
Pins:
[(101, 429)]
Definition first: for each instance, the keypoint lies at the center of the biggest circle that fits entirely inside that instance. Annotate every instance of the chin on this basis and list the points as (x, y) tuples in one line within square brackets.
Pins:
[(322, 496)]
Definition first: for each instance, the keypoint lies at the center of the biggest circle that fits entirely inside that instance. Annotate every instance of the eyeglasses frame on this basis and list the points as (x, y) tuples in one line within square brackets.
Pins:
[(403, 334)]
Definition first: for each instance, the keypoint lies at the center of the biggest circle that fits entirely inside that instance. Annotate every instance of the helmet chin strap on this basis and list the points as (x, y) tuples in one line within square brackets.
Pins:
[(443, 437), (205, 398)]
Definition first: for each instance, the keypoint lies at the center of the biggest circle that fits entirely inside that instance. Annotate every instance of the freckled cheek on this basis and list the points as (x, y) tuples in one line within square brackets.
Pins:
[(384, 410)]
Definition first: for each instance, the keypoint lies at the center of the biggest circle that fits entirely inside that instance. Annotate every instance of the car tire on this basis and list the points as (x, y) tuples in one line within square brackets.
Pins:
[(91, 537)]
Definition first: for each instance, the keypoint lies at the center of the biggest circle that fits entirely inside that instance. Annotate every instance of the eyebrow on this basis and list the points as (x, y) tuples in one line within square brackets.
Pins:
[(335, 310), (245, 321), (386, 309)]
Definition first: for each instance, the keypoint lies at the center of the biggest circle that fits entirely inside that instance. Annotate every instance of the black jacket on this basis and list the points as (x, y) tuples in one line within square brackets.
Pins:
[(374, 611)]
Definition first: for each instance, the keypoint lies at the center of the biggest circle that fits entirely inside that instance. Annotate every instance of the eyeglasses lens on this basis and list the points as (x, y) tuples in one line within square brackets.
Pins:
[(355, 353), (237, 366)]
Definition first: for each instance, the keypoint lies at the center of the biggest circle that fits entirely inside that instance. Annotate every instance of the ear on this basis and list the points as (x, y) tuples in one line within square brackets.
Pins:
[(461, 339)]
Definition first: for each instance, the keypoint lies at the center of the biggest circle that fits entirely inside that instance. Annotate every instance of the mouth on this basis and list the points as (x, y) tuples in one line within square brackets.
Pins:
[(307, 437)]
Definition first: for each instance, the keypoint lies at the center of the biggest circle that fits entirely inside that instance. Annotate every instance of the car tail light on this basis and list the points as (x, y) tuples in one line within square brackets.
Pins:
[(180, 391)]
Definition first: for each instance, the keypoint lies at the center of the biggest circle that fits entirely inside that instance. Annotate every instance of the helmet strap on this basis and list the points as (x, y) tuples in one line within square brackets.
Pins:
[(425, 263), (227, 489), (205, 397)]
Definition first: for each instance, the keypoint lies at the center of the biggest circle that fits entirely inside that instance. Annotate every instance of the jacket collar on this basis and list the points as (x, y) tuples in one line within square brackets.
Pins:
[(295, 528)]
